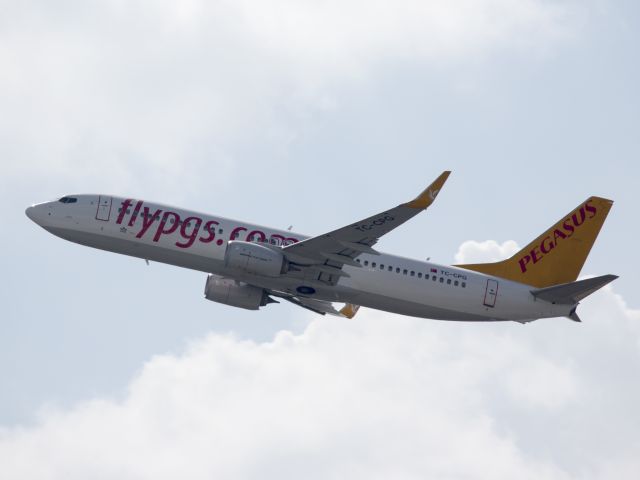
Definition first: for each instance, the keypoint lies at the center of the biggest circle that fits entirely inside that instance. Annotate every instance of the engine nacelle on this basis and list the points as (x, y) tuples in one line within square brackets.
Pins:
[(230, 292), (254, 258)]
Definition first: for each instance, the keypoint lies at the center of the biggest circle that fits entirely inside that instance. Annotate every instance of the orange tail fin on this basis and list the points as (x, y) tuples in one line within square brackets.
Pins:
[(556, 256)]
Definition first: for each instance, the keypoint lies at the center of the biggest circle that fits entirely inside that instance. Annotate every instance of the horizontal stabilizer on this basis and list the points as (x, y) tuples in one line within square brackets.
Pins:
[(571, 293)]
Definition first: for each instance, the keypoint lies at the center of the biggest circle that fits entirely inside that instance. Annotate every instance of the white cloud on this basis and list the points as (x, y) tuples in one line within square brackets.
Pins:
[(472, 251), (119, 91), (539, 383), (380, 396)]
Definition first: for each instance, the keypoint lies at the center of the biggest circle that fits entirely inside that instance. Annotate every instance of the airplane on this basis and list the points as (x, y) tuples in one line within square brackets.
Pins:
[(249, 266)]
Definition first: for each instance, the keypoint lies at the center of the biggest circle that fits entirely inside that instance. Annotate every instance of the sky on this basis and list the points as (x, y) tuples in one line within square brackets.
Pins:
[(316, 114)]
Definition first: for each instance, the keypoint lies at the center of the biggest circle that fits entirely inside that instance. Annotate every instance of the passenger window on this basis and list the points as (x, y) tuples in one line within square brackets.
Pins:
[(397, 269), (448, 281), (404, 272), (366, 263), (373, 264), (381, 267), (441, 280), (464, 285), (358, 260), (419, 274), (455, 284), (390, 268), (220, 231), (433, 278), (413, 274)]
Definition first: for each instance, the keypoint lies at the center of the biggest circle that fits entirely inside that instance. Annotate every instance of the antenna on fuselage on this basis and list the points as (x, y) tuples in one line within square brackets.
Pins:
[(146, 261), (290, 227)]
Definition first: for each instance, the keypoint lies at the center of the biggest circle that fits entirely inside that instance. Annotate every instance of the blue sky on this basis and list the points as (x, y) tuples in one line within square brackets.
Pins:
[(314, 115)]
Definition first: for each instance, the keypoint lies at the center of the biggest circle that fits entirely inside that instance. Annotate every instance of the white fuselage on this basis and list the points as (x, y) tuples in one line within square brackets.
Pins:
[(198, 241)]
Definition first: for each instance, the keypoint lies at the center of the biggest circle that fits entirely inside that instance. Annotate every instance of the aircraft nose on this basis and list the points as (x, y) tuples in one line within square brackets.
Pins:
[(37, 213)]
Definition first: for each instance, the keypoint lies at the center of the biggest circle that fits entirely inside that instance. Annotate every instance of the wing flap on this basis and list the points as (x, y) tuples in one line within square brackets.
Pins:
[(321, 307)]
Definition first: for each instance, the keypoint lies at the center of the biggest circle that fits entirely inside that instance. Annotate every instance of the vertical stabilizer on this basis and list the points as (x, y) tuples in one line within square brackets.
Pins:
[(556, 256)]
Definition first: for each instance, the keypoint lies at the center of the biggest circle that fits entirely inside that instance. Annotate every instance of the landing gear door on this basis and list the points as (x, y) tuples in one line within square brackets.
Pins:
[(491, 293), (104, 208)]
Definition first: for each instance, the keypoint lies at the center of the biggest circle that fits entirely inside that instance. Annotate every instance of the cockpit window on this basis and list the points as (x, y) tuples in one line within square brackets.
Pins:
[(68, 200)]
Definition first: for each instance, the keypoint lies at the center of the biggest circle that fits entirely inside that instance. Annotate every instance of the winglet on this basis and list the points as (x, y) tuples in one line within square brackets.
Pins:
[(349, 310), (430, 193)]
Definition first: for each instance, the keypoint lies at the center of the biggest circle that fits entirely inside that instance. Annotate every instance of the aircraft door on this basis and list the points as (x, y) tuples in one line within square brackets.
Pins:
[(491, 293), (104, 208)]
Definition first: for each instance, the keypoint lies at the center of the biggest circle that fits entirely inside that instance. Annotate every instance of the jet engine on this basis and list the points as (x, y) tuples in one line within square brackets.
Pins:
[(254, 258), (237, 294)]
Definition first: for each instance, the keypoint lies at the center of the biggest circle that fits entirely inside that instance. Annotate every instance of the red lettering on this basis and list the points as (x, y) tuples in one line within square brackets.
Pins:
[(548, 246), (523, 263), (558, 234), (210, 228), (190, 238), (534, 255), (136, 210), (568, 227), (256, 233), (147, 220), (123, 210), (574, 217), (278, 238), (235, 233), (591, 209), (172, 226)]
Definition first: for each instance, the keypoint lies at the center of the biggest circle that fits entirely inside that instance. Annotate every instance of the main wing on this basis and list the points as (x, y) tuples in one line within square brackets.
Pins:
[(328, 253)]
